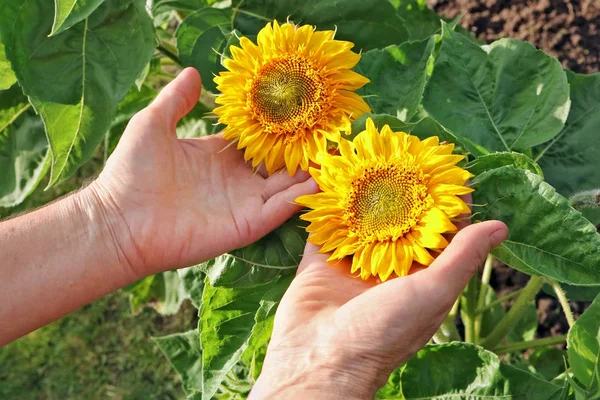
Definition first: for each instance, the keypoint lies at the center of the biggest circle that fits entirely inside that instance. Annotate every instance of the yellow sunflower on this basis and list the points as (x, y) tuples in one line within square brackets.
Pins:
[(386, 199), (281, 99)]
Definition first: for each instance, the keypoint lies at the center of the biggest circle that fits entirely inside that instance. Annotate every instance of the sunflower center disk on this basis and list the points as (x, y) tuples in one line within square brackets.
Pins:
[(386, 202), (287, 94)]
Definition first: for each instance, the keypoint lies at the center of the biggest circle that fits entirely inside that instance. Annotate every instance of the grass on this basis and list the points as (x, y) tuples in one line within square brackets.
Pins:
[(100, 351)]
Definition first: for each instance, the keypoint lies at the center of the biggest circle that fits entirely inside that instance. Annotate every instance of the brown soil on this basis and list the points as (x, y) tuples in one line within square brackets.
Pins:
[(568, 30)]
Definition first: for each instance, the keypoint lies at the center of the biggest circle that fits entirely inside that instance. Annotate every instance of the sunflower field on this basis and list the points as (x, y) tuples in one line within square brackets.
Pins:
[(405, 120)]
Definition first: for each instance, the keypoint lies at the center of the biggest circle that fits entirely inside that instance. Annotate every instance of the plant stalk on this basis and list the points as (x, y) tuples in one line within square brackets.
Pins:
[(515, 313), (530, 344), (169, 54), (564, 302), (483, 288), (498, 301), (468, 314)]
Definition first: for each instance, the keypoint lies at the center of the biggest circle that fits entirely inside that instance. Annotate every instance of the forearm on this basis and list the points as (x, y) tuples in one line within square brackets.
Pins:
[(55, 260)]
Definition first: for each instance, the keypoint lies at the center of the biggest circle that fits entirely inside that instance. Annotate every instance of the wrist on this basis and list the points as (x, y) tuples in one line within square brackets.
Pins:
[(106, 227), (315, 378)]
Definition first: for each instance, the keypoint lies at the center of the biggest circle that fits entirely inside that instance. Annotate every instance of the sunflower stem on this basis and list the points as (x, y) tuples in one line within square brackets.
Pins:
[(498, 301), (468, 314), (515, 313), (530, 344), (448, 331), (483, 288), (564, 302)]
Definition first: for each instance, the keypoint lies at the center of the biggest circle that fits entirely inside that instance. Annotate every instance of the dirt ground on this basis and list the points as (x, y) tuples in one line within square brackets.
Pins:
[(568, 30)]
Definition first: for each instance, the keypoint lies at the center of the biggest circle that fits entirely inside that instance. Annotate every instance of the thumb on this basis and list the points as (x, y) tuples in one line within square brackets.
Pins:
[(179, 97), (453, 269)]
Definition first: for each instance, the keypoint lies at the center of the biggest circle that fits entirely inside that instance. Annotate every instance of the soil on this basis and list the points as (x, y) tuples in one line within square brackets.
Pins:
[(568, 30)]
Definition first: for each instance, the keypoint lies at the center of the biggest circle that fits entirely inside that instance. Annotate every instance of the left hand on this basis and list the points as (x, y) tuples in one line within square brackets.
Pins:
[(173, 203)]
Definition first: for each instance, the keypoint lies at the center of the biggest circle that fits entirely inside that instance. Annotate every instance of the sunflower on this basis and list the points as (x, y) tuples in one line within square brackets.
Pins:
[(386, 199), (283, 98)]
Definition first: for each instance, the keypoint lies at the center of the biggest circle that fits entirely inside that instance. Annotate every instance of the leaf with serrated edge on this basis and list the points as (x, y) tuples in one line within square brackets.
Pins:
[(86, 70), (502, 97), (70, 12), (547, 236)]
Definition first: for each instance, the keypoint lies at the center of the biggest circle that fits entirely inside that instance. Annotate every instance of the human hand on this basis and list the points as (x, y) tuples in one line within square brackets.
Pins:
[(173, 203), (339, 337)]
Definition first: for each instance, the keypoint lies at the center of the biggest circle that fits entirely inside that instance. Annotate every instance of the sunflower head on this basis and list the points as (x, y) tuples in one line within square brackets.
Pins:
[(283, 98), (386, 200)]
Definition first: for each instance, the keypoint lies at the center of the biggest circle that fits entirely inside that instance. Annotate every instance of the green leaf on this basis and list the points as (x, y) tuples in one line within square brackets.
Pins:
[(547, 236), (420, 20), (393, 387), (7, 76), (76, 79), (192, 280), (368, 24), (276, 254), (161, 6), (23, 148), (71, 12), (570, 160), (398, 75), (433, 373), (497, 160), (548, 362), (201, 38), (184, 354), (575, 293), (583, 346), (231, 321), (502, 97), (163, 292)]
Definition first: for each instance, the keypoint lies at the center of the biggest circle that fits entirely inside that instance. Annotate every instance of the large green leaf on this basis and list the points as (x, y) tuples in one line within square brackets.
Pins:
[(547, 236), (201, 39), (368, 24), (549, 362), (184, 354), (192, 281), (164, 292), (398, 75), (420, 20), (583, 346), (23, 148), (502, 97), (570, 160), (461, 370), (497, 160), (70, 12), (392, 388), (76, 79), (231, 321), (7, 76), (278, 253)]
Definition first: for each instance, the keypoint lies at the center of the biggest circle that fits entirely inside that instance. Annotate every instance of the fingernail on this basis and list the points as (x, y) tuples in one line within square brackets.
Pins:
[(498, 236)]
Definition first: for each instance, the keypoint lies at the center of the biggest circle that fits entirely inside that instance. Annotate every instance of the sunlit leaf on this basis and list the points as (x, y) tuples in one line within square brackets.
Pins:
[(7, 76), (502, 97), (86, 70), (71, 12), (184, 354), (583, 345), (547, 236), (398, 75)]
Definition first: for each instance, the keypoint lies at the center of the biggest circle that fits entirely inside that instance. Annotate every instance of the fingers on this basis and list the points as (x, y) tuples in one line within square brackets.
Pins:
[(281, 180), (452, 270), (281, 206), (178, 97)]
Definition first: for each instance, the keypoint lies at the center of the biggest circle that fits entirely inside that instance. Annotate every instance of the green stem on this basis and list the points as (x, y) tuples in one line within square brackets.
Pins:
[(530, 344), (498, 301), (448, 332), (469, 309), (564, 302), (169, 54), (485, 281), (514, 314)]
